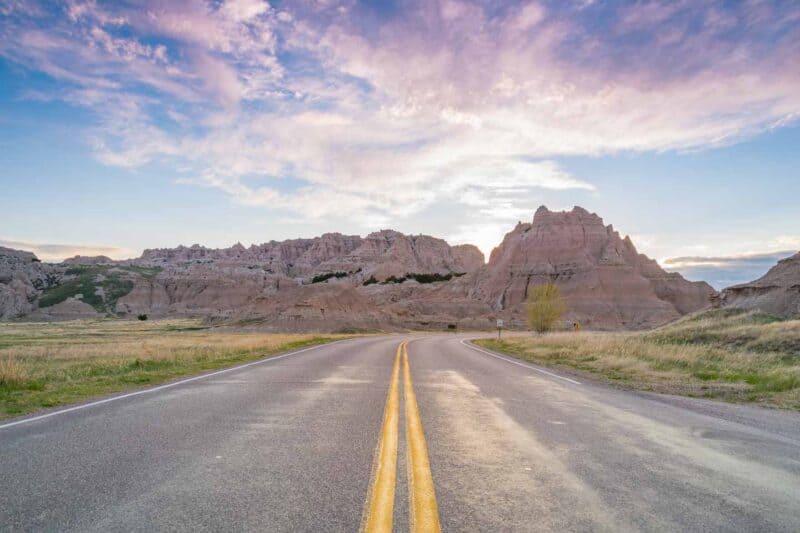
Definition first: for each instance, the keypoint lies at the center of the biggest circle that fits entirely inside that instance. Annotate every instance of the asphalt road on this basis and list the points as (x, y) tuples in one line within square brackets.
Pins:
[(295, 444)]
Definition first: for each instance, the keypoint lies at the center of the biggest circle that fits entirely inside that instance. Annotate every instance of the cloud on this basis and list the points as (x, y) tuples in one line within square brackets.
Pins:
[(724, 271), (483, 235), (241, 10), (729, 261), (58, 252), (784, 241), (378, 115), (643, 16)]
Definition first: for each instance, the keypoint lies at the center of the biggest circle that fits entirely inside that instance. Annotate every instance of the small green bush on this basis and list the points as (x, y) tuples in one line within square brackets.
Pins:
[(319, 278), (422, 278), (435, 277)]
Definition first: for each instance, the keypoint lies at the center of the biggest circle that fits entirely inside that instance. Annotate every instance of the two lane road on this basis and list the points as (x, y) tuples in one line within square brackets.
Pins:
[(294, 444)]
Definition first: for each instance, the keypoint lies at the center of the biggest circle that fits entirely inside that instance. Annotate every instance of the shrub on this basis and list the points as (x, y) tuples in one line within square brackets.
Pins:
[(429, 278), (433, 278), (545, 307), (371, 281), (319, 278), (142, 317)]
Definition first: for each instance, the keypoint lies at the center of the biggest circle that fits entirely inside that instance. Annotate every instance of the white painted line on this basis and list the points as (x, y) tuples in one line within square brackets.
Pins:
[(162, 387), (518, 363)]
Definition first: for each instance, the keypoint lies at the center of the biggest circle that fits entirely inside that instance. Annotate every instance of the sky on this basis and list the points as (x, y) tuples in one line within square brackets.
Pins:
[(143, 124)]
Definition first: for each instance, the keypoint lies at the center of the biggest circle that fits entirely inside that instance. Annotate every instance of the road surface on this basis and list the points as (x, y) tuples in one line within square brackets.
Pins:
[(468, 441)]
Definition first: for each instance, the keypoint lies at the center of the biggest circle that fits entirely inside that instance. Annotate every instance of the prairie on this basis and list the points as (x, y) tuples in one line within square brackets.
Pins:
[(726, 354), (49, 364)]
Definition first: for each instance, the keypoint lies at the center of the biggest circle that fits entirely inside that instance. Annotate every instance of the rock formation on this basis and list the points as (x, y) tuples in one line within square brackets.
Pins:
[(381, 254), (606, 283), (70, 309), (386, 280), (22, 277), (88, 260), (270, 280), (776, 292)]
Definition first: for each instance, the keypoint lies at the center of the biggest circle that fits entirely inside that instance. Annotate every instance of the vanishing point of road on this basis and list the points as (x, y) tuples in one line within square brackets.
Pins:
[(410, 433)]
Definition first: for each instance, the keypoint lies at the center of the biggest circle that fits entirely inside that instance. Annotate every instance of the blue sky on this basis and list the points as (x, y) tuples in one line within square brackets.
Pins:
[(128, 125)]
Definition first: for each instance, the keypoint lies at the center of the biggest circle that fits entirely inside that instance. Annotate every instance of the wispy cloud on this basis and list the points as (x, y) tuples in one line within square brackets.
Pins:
[(724, 271), (731, 261), (384, 114), (59, 252)]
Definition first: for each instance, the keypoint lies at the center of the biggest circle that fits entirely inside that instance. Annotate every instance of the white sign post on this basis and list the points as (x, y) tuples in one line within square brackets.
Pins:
[(499, 327)]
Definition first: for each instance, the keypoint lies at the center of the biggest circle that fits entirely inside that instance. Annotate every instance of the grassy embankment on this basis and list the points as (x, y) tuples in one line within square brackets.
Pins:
[(725, 354), (48, 364)]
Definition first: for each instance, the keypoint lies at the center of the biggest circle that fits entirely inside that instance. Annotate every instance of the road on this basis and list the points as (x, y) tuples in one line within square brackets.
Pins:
[(318, 441)]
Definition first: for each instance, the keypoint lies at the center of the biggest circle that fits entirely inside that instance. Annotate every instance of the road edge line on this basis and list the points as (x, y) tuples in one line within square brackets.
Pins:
[(471, 346)]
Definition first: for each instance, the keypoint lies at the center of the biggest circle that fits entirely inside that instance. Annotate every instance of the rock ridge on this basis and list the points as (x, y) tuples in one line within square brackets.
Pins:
[(605, 281), (776, 292), (385, 280)]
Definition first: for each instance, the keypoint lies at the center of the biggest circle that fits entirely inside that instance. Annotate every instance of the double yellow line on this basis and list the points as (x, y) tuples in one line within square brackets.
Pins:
[(422, 497)]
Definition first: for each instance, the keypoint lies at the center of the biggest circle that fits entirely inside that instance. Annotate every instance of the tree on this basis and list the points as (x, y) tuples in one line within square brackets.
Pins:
[(545, 307)]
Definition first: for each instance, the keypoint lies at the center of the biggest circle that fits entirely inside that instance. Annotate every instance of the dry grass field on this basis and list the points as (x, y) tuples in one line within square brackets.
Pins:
[(48, 364), (725, 354)]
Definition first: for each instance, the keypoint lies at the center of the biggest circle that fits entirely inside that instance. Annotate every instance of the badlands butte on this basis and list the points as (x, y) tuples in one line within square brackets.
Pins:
[(384, 281)]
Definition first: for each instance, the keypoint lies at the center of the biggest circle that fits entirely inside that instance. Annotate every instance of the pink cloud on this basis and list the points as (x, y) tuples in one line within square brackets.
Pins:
[(441, 102)]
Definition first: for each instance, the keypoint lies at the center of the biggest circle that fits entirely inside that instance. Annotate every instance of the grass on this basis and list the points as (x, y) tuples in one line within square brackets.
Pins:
[(725, 354), (44, 365)]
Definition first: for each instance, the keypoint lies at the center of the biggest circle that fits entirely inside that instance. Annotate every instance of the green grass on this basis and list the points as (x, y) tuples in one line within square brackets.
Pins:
[(44, 365), (725, 354)]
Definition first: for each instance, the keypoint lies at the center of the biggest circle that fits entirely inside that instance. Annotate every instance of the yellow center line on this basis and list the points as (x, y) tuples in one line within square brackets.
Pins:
[(424, 511), (380, 501)]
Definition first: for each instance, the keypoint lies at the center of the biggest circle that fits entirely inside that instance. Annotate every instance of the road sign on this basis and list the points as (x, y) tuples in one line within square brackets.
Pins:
[(499, 323)]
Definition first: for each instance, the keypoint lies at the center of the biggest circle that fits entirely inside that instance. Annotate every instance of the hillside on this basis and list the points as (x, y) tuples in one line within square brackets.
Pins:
[(605, 281), (776, 292)]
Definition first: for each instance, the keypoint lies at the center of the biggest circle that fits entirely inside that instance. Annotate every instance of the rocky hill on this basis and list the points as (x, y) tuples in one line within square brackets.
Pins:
[(220, 283), (776, 292), (605, 281), (386, 280), (22, 278), (381, 254)]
